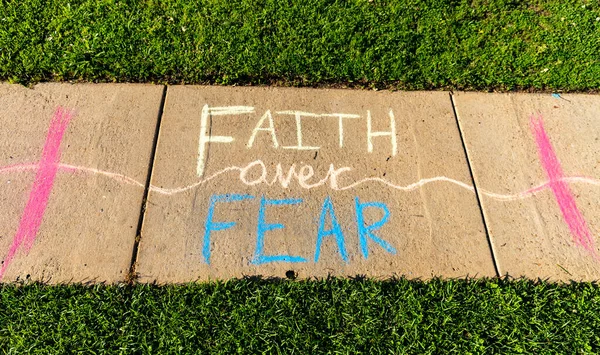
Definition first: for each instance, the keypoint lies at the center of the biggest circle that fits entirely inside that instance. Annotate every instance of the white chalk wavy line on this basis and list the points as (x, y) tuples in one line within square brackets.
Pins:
[(331, 177), (409, 187), (406, 188), (175, 191), (333, 184), (74, 169), (534, 190), (114, 176)]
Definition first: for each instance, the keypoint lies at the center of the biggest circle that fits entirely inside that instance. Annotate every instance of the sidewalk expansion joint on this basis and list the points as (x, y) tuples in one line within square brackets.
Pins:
[(132, 275), (475, 189)]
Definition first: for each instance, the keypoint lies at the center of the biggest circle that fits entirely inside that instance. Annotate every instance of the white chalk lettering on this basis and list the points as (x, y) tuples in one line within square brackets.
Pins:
[(341, 117), (298, 116), (206, 138), (270, 129), (263, 173), (391, 133)]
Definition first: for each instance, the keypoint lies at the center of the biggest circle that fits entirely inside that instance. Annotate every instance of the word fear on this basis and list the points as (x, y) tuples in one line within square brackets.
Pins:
[(366, 232)]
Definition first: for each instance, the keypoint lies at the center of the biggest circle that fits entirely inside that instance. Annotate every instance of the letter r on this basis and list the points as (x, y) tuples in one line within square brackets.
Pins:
[(366, 231)]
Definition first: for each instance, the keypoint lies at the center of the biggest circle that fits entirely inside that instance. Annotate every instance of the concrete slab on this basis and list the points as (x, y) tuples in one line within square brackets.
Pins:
[(536, 166), (74, 160), (265, 181)]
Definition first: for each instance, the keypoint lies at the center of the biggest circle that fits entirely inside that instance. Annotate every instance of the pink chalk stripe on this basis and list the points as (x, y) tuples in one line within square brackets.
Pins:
[(42, 186), (562, 193)]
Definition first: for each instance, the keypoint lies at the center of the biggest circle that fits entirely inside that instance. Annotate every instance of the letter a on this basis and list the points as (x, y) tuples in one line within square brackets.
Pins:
[(259, 127), (335, 230)]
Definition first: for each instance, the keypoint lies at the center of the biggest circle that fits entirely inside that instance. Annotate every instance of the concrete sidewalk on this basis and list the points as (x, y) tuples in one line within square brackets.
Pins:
[(114, 182)]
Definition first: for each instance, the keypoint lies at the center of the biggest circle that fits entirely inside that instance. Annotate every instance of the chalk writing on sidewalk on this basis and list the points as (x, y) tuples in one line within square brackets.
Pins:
[(280, 175)]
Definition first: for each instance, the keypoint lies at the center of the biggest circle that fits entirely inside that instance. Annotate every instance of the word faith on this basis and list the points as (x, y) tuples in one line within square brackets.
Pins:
[(266, 125)]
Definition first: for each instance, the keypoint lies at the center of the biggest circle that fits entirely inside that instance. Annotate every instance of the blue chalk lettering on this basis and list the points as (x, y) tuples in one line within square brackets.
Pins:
[(263, 227), (335, 230), (210, 226), (365, 231)]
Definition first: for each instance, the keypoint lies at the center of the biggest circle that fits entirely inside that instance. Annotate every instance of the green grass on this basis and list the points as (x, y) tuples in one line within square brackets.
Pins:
[(327, 316), (410, 44)]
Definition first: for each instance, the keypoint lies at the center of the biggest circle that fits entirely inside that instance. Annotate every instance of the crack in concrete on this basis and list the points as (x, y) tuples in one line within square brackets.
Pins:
[(476, 189), (132, 274)]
